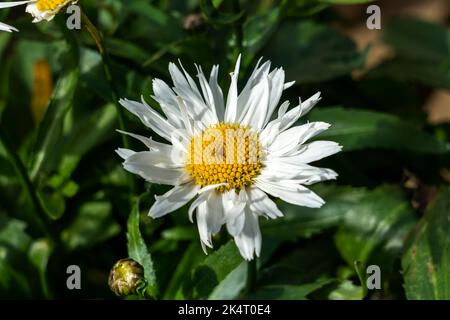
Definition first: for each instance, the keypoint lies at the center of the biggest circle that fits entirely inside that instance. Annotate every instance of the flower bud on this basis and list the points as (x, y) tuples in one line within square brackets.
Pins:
[(126, 277)]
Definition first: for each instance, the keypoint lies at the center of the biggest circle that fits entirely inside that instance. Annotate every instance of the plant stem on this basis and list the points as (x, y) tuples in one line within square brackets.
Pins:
[(251, 276), (98, 39), (24, 178), (238, 34)]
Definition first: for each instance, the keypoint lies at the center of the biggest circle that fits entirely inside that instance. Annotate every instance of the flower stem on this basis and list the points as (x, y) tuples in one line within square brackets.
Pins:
[(22, 173), (98, 39), (251, 276)]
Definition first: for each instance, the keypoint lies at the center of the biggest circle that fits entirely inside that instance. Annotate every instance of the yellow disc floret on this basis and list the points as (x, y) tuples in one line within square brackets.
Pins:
[(50, 5), (225, 153)]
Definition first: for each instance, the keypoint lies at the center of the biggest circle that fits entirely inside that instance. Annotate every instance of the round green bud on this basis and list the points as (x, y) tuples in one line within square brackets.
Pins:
[(126, 277)]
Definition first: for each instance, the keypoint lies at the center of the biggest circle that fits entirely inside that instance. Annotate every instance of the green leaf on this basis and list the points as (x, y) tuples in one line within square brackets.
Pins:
[(346, 290), (305, 222), (50, 129), (137, 250), (361, 129), (258, 30), (93, 224), (231, 286), (127, 50), (374, 230), (312, 261), (214, 269), (311, 52), (39, 254), (14, 244), (180, 233), (191, 257), (53, 203), (234, 282), (426, 262), (217, 17), (423, 52)]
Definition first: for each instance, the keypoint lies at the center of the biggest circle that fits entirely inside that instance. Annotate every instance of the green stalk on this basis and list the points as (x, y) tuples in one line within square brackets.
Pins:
[(98, 39), (22, 173)]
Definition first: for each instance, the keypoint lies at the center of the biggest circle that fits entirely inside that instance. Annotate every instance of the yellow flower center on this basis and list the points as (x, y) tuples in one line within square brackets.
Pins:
[(224, 153), (50, 5)]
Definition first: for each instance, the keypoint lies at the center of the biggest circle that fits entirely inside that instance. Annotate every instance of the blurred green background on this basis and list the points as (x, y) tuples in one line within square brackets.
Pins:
[(385, 92)]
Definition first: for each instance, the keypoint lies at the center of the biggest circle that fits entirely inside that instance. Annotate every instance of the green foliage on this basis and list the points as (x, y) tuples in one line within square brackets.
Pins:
[(426, 261), (423, 52), (382, 209), (362, 129), (137, 250), (312, 52)]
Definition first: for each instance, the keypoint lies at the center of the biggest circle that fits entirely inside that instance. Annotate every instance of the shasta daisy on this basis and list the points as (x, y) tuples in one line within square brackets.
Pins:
[(39, 9), (230, 156)]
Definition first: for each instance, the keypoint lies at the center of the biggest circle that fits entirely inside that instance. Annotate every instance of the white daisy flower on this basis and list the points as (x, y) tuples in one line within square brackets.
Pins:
[(39, 9), (229, 156)]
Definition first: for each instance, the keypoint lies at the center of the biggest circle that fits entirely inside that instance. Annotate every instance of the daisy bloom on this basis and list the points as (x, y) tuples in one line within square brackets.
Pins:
[(39, 9), (230, 157)]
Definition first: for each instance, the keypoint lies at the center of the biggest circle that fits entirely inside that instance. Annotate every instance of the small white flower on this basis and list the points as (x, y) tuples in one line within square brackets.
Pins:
[(264, 157), (39, 9)]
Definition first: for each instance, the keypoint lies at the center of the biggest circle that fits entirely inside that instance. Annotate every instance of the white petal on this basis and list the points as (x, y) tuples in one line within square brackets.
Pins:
[(249, 240), (276, 85), (185, 116), (289, 140), (149, 117), (202, 225), (10, 4), (260, 203), (209, 215), (276, 170), (173, 199), (303, 108), (235, 226), (207, 93), (125, 153), (215, 213), (167, 100), (6, 27), (149, 142), (290, 192), (217, 93), (186, 88), (287, 85), (157, 158), (146, 164), (234, 204), (198, 201), (313, 151), (211, 187), (232, 98), (282, 109), (256, 76), (257, 106)]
